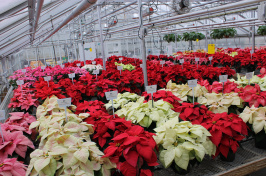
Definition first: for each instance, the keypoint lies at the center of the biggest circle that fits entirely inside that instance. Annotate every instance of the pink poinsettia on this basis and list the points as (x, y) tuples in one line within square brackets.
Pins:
[(14, 142), (12, 167), (253, 95)]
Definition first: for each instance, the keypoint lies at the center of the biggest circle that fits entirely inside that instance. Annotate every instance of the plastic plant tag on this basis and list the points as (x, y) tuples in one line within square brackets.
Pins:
[(23, 70), (26, 65), (93, 62), (120, 58), (150, 90), (20, 83), (59, 62), (141, 66), (78, 64), (181, 61), (120, 68), (64, 103), (162, 63), (96, 72), (111, 96), (62, 66), (72, 76), (47, 78), (210, 58), (192, 83), (35, 65), (197, 59), (223, 78), (42, 67), (249, 76)]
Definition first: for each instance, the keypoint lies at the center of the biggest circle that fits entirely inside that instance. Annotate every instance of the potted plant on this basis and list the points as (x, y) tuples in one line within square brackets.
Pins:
[(192, 36), (262, 30), (182, 144), (256, 119), (172, 38), (223, 33)]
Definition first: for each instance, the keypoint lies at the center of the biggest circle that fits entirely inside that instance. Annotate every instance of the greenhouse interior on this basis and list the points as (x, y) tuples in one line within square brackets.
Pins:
[(132, 87)]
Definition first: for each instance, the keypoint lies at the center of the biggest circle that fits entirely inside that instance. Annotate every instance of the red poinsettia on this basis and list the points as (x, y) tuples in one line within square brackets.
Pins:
[(90, 107), (135, 146), (253, 95), (196, 113), (226, 131)]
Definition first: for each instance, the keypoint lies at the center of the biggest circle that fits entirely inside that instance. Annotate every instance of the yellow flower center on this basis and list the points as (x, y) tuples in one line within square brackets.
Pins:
[(1, 165), (214, 122), (257, 93), (175, 144), (117, 144)]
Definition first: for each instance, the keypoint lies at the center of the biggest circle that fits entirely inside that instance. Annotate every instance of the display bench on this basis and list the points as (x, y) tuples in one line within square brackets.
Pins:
[(248, 159)]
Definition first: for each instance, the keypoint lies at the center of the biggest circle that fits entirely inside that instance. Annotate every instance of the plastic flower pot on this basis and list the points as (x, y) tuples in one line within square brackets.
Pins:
[(230, 156), (260, 140), (179, 170)]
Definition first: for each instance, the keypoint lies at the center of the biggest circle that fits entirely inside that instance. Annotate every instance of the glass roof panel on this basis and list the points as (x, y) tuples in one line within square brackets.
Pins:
[(9, 4)]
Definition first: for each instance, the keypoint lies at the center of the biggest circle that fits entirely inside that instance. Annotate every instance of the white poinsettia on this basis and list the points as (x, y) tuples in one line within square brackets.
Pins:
[(183, 90), (256, 117), (90, 67), (219, 103), (122, 100), (182, 142), (65, 147), (242, 81), (144, 113)]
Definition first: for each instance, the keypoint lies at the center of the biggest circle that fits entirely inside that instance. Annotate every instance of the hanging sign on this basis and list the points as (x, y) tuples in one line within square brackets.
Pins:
[(111, 96), (64, 103), (211, 48)]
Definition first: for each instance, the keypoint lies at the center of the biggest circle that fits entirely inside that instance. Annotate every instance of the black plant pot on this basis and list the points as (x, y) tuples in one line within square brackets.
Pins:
[(179, 170), (230, 156), (260, 140)]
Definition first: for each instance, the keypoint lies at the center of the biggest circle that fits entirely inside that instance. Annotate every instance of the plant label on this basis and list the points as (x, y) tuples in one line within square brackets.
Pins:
[(162, 63), (96, 72), (111, 95), (42, 67), (2, 115), (47, 78), (151, 89), (26, 65), (141, 66), (72, 75), (20, 82), (197, 59), (120, 58), (23, 70), (78, 64), (59, 62), (210, 58), (62, 103), (181, 61), (93, 62), (62, 66), (35, 65), (192, 83), (119, 67), (249, 75), (223, 78)]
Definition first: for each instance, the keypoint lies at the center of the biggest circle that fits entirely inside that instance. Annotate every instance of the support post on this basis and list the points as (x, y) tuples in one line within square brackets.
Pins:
[(253, 32), (101, 36), (143, 47), (82, 42)]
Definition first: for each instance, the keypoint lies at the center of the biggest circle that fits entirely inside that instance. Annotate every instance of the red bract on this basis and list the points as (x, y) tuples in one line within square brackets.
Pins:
[(167, 96), (196, 113), (135, 146), (253, 95), (43, 91), (226, 131), (12, 167), (90, 107)]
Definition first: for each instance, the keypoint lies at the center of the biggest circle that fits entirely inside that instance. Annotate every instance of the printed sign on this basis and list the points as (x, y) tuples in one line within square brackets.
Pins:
[(62, 103), (72, 75), (223, 78), (93, 62), (119, 67), (26, 65), (23, 70), (197, 59), (182, 61), (111, 95), (151, 89), (42, 67), (162, 62), (210, 58), (211, 48), (120, 58), (96, 72), (192, 83), (78, 64), (249, 75)]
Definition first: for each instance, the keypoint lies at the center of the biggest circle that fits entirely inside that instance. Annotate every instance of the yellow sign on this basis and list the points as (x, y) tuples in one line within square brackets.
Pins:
[(90, 49), (211, 49), (197, 40)]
